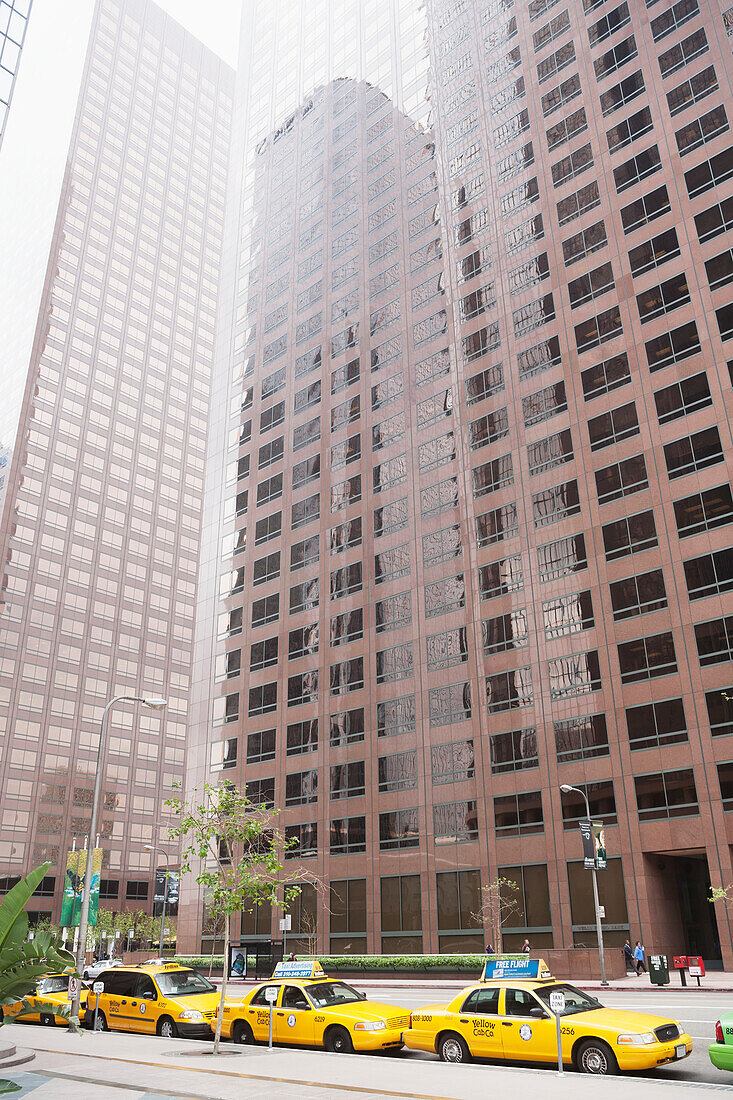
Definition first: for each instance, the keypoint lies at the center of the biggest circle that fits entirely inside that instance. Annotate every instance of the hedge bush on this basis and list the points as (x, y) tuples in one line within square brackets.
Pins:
[(371, 963)]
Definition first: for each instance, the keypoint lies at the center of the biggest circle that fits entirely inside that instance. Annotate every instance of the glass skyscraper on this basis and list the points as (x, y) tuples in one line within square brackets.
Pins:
[(100, 534), (467, 504), (14, 15)]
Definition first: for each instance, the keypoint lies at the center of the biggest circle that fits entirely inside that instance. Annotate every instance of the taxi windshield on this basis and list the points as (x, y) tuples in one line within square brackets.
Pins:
[(58, 984), (179, 983), (332, 993), (575, 1000)]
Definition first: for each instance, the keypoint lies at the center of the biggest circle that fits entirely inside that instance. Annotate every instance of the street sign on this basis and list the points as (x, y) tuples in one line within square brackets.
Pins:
[(557, 1005), (98, 987), (285, 923), (271, 994), (73, 986), (601, 910)]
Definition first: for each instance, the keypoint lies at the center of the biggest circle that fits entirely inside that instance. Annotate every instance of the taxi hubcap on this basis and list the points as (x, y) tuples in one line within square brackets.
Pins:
[(166, 1029), (452, 1051), (595, 1062)]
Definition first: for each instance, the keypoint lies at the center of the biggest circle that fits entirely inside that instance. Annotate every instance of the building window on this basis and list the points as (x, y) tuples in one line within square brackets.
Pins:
[(609, 24), (665, 795), (693, 452), (450, 704), (348, 909), (346, 535), (346, 580), (654, 725), (347, 676), (665, 246), (347, 627), (581, 738), (136, 890), (674, 18), (395, 663), (692, 91), (710, 574), (682, 398), (305, 553), (507, 690), (514, 751), (615, 58), (598, 330), (303, 840), (519, 814), (399, 829), (612, 427), (565, 615), (453, 762), (397, 772), (663, 298), (401, 911), (347, 780), (347, 727), (576, 674), (637, 168), (561, 558), (621, 479), (714, 641), (629, 535), (268, 528), (260, 746), (715, 220), (719, 705), (267, 569), (683, 53), (505, 632), (347, 835), (396, 716), (711, 173), (498, 524), (704, 511), (389, 518), (646, 209), (455, 822), (303, 688), (638, 595), (622, 93), (301, 788), (672, 347), (647, 658), (459, 902), (261, 792), (263, 654), (492, 475), (302, 641), (602, 802), (262, 699), (555, 503)]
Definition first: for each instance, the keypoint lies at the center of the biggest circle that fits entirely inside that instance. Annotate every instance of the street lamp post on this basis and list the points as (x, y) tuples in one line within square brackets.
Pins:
[(567, 789), (155, 704), (151, 848)]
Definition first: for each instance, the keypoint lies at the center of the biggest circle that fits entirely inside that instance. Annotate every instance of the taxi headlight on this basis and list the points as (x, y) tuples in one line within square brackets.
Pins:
[(645, 1039), (191, 1014), (370, 1025)]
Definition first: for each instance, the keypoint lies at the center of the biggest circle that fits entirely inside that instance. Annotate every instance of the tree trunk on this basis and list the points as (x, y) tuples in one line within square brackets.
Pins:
[(225, 970)]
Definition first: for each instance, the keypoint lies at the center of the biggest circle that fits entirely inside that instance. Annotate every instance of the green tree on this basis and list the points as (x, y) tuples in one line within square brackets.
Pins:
[(235, 852), (24, 961)]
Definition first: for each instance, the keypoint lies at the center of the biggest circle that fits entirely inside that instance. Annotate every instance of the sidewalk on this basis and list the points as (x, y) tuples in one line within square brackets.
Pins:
[(716, 981), (186, 1071)]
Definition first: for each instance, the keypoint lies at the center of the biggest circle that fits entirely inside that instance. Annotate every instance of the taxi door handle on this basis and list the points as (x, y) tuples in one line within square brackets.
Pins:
[(281, 1013), (463, 1021), (506, 1023)]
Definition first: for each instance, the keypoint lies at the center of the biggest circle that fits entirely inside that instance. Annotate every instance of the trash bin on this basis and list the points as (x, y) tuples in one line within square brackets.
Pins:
[(658, 970)]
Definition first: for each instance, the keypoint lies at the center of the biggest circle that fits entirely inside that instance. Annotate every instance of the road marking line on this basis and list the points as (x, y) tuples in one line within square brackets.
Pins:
[(115, 1085)]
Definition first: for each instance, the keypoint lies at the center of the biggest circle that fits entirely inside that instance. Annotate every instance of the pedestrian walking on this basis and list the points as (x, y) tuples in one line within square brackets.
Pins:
[(526, 947), (629, 956), (489, 949), (639, 956)]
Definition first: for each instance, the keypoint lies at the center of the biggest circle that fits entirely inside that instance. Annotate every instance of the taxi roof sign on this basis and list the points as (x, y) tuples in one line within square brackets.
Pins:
[(308, 968), (520, 967)]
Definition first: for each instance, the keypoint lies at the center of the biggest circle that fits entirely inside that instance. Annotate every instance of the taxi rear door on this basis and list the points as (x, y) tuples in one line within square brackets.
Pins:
[(143, 1006), (528, 1031), (294, 1018), (480, 1023)]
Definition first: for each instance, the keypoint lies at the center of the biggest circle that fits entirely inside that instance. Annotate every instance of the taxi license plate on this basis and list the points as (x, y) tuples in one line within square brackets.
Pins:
[(680, 1051)]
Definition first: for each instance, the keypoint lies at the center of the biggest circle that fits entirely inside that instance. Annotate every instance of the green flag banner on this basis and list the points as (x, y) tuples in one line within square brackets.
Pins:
[(76, 865)]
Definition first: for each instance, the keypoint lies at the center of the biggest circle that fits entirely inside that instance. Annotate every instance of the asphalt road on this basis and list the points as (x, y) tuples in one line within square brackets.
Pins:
[(696, 1011)]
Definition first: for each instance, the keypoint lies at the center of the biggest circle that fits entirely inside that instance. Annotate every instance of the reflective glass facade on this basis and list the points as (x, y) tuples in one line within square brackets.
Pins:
[(14, 16), (102, 519), (468, 504)]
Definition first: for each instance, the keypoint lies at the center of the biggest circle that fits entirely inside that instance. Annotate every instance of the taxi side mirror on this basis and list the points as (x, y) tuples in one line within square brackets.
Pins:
[(363, 996), (303, 1005), (538, 1013), (148, 995)]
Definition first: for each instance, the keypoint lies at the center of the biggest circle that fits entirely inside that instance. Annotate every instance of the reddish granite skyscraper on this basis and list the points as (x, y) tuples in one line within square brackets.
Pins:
[(468, 499), (101, 524)]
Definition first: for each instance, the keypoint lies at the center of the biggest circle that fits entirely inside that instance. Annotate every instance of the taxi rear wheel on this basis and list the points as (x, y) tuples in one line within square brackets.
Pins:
[(338, 1041), (100, 1024), (167, 1028), (595, 1056), (242, 1033), (47, 1019), (452, 1048)]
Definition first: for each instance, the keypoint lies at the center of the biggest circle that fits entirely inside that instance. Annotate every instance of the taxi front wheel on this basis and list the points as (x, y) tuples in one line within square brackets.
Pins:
[(338, 1041), (167, 1028), (452, 1048), (595, 1056), (242, 1033), (100, 1023), (47, 1020)]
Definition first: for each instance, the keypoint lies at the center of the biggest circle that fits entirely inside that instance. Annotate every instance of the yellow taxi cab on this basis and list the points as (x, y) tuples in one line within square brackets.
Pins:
[(314, 1010), (168, 1000), (509, 1018), (52, 989)]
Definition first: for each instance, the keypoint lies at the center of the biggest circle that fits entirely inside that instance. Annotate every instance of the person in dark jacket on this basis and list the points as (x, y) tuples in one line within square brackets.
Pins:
[(629, 956)]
